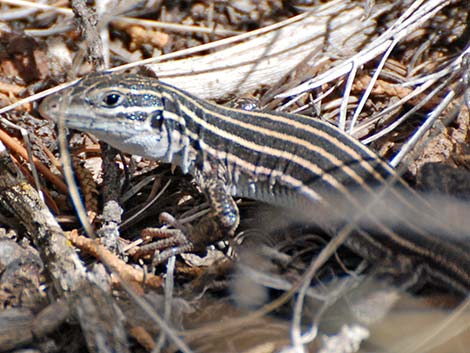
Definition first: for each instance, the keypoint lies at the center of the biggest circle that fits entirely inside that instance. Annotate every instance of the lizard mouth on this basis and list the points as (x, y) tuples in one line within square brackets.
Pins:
[(55, 108)]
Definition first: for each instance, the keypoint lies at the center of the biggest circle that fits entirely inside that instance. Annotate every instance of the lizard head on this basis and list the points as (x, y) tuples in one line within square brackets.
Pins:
[(126, 111)]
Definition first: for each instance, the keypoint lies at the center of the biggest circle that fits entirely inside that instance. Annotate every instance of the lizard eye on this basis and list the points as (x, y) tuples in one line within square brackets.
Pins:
[(156, 120), (111, 100)]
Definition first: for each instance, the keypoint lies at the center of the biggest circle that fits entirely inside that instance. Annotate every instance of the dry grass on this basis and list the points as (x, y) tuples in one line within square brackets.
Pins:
[(392, 73)]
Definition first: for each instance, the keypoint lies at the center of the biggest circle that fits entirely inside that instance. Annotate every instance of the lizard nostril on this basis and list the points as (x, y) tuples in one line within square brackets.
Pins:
[(49, 107)]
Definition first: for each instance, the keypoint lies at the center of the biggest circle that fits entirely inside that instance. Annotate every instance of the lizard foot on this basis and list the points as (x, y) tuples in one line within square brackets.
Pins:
[(176, 238)]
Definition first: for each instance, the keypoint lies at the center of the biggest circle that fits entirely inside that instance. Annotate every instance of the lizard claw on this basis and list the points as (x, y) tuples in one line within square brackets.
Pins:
[(177, 240)]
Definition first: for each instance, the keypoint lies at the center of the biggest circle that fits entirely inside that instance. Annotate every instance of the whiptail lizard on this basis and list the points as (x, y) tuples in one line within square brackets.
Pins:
[(287, 160)]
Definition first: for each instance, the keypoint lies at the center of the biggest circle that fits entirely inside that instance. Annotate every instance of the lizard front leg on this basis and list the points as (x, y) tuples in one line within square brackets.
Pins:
[(220, 223)]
